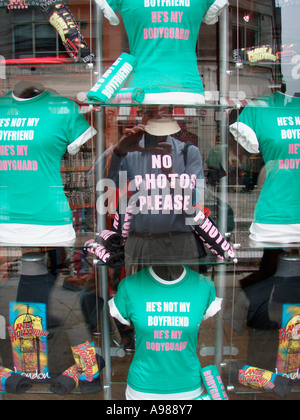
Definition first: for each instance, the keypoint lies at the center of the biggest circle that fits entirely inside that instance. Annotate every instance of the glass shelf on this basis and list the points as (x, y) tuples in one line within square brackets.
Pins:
[(263, 245), (79, 242), (207, 261), (235, 387), (174, 106), (82, 238)]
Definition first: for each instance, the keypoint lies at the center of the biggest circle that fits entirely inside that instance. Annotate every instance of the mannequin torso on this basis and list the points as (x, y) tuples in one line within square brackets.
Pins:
[(34, 264)]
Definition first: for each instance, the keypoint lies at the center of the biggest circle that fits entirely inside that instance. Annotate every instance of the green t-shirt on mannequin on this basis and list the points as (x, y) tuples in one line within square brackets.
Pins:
[(271, 125), (162, 36), (166, 316), (35, 133)]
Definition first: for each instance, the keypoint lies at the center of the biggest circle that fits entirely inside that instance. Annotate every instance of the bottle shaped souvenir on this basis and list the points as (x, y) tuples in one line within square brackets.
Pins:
[(29, 348)]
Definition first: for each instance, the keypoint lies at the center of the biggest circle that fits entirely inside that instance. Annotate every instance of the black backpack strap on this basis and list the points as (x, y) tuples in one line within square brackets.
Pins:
[(185, 151)]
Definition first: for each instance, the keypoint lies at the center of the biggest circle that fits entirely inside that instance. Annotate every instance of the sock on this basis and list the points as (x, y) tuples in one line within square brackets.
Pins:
[(260, 379), (115, 259), (112, 241), (13, 383), (61, 18), (66, 382), (87, 366), (211, 237)]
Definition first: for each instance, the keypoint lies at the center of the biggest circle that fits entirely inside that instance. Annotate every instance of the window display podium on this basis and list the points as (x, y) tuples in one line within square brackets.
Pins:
[(146, 214)]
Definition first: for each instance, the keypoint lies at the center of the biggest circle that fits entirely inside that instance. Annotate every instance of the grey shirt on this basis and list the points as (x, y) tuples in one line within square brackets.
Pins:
[(162, 199)]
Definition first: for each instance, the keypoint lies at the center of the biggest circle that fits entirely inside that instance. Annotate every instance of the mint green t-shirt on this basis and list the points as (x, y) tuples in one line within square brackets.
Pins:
[(166, 317), (275, 124), (162, 36), (34, 136)]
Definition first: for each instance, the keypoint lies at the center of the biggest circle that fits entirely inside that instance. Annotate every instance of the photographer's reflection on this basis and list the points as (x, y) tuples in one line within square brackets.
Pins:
[(163, 175)]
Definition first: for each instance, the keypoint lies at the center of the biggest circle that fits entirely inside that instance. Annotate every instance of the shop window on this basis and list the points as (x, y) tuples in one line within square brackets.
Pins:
[(33, 36), (34, 41)]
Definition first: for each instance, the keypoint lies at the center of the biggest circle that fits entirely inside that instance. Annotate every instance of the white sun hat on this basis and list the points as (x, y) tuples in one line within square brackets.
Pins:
[(162, 127)]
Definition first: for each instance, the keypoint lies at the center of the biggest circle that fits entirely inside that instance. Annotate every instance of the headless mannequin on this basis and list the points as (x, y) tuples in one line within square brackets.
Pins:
[(36, 283), (291, 91), (289, 88), (289, 266), (34, 264), (286, 289), (54, 225), (28, 90), (274, 285), (174, 82), (168, 273), (253, 135)]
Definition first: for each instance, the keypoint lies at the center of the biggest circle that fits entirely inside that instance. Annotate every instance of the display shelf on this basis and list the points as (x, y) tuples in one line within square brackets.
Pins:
[(233, 386), (78, 243), (162, 105), (238, 389), (209, 261), (81, 206), (76, 169), (264, 245), (82, 238)]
